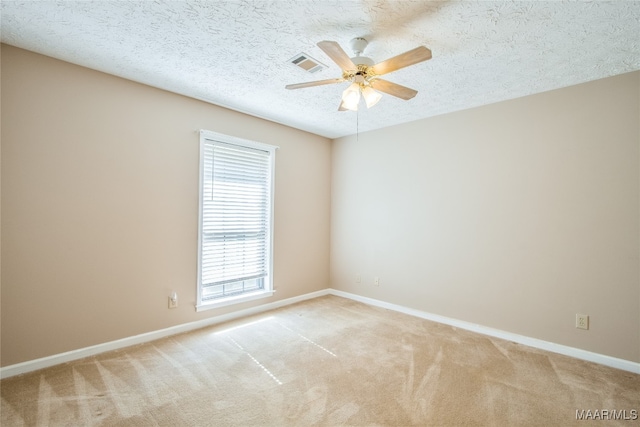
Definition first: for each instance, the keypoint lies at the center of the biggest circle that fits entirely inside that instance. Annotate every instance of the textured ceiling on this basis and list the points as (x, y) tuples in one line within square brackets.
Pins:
[(235, 53)]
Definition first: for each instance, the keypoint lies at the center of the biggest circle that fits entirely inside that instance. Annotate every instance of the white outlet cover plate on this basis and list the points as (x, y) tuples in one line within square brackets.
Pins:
[(582, 321)]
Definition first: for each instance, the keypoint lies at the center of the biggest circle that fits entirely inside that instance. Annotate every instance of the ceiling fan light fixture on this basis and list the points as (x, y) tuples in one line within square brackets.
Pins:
[(361, 72), (371, 97), (351, 97)]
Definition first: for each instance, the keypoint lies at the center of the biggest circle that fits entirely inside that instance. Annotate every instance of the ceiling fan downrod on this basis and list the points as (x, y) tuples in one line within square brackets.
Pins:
[(358, 45)]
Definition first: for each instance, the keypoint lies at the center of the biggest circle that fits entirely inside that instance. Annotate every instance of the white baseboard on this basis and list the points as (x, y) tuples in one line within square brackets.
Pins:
[(577, 353), (56, 359)]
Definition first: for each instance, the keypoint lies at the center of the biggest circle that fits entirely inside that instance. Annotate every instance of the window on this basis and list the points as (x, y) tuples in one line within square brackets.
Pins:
[(236, 220)]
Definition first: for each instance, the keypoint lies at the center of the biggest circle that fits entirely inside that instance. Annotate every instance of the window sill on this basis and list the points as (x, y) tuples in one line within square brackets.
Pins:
[(233, 300)]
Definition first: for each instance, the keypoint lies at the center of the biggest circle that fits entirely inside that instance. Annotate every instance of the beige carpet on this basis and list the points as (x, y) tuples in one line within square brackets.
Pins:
[(328, 361)]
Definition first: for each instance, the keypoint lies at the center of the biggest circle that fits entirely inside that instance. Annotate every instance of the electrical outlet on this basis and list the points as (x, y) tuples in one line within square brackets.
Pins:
[(173, 300), (376, 281), (582, 321), (358, 279)]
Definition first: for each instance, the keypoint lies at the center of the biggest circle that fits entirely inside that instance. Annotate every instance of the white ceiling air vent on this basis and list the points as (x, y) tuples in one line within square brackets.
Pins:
[(307, 63)]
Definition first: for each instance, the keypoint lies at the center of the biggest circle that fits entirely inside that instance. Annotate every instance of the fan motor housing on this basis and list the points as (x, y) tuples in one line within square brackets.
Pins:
[(362, 60)]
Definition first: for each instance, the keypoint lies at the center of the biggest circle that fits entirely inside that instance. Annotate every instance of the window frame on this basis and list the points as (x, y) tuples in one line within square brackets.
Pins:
[(207, 137)]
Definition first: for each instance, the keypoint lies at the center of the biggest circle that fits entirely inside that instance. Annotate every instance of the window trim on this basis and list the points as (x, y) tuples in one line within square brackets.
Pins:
[(206, 135)]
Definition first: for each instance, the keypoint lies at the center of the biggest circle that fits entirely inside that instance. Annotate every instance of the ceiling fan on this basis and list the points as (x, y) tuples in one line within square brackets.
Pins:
[(364, 75)]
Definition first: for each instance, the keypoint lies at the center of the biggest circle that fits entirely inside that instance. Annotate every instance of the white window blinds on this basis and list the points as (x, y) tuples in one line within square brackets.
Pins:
[(235, 231)]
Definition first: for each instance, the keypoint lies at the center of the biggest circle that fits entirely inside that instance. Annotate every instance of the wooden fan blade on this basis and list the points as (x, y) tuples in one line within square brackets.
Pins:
[(411, 57), (339, 56), (316, 83), (393, 89)]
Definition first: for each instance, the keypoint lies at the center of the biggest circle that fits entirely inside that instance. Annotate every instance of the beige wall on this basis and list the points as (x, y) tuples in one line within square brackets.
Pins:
[(99, 206), (516, 215)]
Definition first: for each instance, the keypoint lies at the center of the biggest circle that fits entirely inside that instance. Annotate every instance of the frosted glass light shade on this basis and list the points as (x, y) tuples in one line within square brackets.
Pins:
[(351, 97), (371, 97)]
